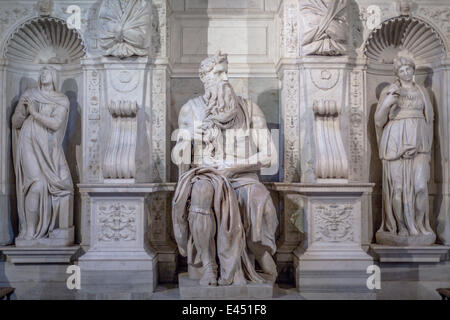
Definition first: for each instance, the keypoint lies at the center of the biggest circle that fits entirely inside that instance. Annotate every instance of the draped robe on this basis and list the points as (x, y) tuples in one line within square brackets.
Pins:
[(39, 158), (402, 139), (243, 209)]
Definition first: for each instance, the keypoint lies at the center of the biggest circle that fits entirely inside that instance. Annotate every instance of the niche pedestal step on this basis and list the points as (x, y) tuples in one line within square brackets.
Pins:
[(191, 289)]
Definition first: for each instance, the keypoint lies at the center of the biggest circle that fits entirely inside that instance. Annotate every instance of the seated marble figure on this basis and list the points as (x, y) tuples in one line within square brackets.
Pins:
[(223, 215)]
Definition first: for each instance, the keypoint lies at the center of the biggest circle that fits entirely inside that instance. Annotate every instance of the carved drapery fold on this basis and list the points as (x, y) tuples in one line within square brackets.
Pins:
[(120, 155), (331, 157), (124, 30), (325, 27)]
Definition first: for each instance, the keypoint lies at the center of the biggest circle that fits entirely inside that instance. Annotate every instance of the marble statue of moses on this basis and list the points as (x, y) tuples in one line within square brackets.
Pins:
[(221, 211)]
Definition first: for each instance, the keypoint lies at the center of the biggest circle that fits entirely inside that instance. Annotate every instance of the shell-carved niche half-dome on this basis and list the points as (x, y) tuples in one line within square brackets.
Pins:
[(404, 33), (45, 41)]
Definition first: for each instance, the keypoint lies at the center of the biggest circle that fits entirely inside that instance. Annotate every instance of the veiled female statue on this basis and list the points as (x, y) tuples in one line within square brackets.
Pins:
[(43, 182), (404, 125)]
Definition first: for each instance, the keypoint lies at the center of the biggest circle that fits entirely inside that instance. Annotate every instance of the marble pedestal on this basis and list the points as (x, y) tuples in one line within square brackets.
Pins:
[(61, 237), (416, 254), (331, 259), (334, 260), (191, 289), (389, 239), (120, 258), (39, 255)]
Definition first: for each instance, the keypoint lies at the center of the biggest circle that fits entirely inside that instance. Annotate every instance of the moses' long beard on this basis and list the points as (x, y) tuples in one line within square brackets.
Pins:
[(221, 113)]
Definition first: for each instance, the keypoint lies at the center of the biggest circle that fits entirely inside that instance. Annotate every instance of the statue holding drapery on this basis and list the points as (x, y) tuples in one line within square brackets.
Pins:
[(222, 214)]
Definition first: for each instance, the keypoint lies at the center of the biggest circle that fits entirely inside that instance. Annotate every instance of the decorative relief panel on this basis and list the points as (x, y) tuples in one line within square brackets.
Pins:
[(324, 79), (357, 127), (160, 28), (290, 102), (159, 125), (11, 15), (124, 81), (93, 126), (440, 16), (116, 221), (333, 223), (289, 29)]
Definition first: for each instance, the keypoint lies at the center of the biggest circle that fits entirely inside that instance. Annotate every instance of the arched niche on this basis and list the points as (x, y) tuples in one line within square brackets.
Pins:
[(39, 42), (425, 44)]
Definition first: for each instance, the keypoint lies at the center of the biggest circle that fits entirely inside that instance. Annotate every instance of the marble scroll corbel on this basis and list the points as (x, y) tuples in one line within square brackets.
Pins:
[(119, 163)]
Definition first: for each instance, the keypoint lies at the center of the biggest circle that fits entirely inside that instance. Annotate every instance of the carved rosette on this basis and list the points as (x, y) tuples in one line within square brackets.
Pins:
[(116, 222), (333, 223), (331, 158), (119, 162)]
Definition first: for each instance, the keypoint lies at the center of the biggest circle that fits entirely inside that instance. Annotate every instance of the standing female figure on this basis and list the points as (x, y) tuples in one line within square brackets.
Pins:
[(404, 125), (43, 182)]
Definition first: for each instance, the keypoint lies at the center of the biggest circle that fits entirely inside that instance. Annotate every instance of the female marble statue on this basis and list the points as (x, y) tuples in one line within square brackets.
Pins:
[(404, 124), (43, 181)]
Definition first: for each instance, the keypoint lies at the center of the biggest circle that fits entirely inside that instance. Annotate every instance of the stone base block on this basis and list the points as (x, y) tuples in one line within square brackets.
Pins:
[(167, 267), (117, 260), (56, 238), (332, 272), (116, 275), (434, 253), (39, 255), (116, 285), (387, 238), (191, 289)]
